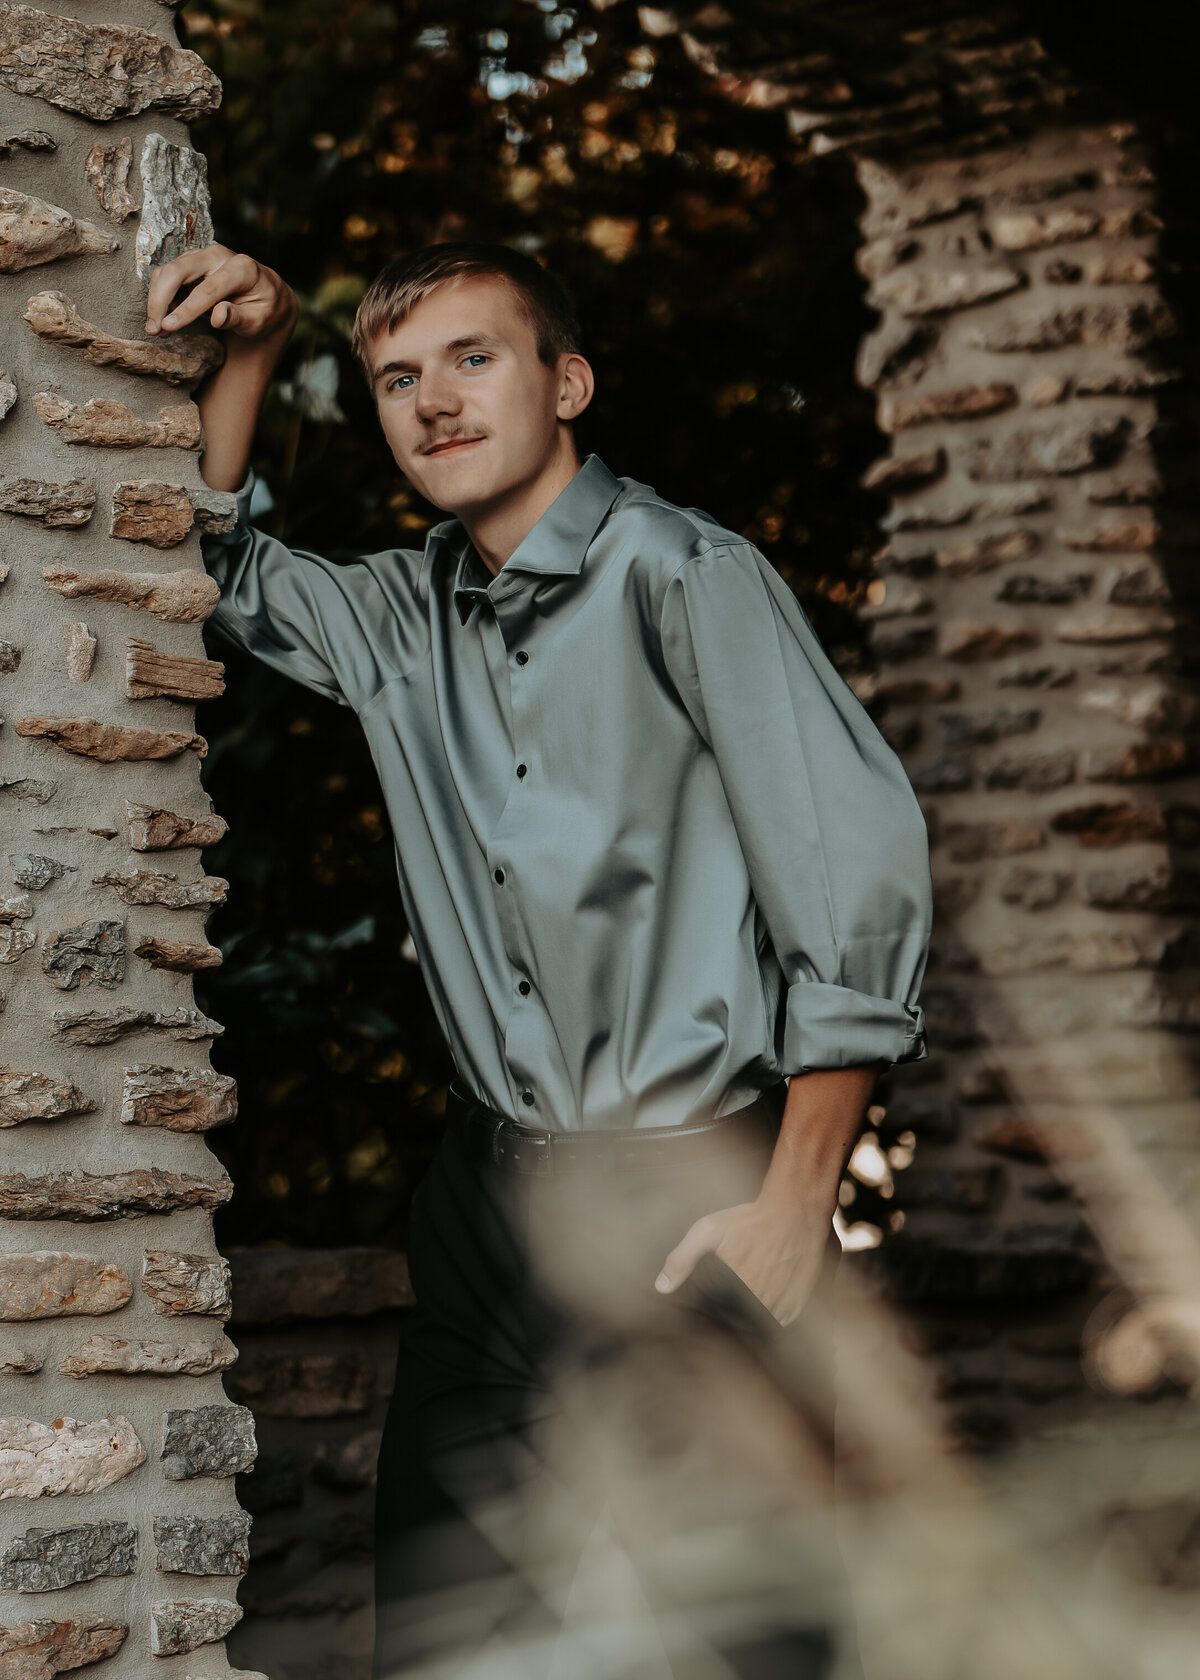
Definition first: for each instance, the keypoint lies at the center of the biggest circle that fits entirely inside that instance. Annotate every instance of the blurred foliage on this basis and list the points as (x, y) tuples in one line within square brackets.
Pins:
[(714, 280)]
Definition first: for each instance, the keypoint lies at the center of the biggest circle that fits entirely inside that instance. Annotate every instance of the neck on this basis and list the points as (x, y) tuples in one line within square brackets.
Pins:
[(497, 529)]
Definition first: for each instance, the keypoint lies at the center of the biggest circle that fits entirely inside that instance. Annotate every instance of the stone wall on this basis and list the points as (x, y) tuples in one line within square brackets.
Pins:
[(120, 1536), (1031, 624)]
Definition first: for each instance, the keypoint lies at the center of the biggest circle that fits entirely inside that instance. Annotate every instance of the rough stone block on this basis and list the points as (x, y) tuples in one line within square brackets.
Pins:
[(111, 742), (14, 1364), (41, 1649), (1104, 824), (146, 886), (1155, 887), (968, 641), (305, 1385), (8, 396), (1036, 589), (81, 652), (66, 1456), (176, 215), (203, 1545), (145, 510), (898, 353), (85, 1197), (1126, 536), (182, 359), (1034, 889), (1141, 584), (179, 956), (93, 951), (45, 1284), (962, 402), (175, 597), (29, 787), (152, 829), (181, 1099), (10, 658), (951, 773), (102, 70), (1064, 448), (969, 842), (118, 1355), (187, 1283), (39, 1096), (1129, 328), (33, 231), (179, 1626), (107, 424), (1021, 674), (44, 1559), (282, 1286), (987, 723), (895, 473), (14, 942), (208, 1441), (53, 505), (894, 646), (107, 168), (105, 1026), (1038, 773), (930, 291), (1142, 761), (175, 676)]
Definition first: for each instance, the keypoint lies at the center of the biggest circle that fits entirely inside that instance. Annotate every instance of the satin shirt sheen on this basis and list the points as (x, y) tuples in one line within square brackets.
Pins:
[(652, 851)]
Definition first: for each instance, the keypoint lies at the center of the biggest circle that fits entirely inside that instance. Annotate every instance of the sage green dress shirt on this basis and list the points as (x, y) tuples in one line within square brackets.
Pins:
[(652, 851)]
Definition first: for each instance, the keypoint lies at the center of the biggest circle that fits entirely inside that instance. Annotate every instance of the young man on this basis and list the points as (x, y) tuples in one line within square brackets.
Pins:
[(670, 893)]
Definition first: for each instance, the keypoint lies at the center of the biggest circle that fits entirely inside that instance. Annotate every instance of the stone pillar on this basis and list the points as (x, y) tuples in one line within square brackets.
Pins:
[(120, 1536), (1033, 672)]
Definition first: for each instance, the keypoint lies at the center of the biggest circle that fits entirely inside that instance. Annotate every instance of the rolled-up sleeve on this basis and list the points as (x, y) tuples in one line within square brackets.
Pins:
[(308, 617), (830, 828)]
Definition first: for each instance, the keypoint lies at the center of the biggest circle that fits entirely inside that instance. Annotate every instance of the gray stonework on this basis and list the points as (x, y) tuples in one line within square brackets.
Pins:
[(92, 191), (203, 1545)]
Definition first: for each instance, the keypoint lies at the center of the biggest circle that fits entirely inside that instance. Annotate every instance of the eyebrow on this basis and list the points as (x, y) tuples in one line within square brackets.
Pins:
[(469, 341)]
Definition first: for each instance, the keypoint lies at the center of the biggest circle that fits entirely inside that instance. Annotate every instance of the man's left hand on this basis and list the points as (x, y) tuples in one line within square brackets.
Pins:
[(777, 1258)]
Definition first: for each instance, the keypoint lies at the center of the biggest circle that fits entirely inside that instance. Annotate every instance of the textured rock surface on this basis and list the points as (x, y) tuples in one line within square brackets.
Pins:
[(119, 1355), (111, 425), (84, 1197), (179, 956), (110, 742), (66, 1456), (176, 676), (43, 1559), (281, 1286), (145, 510), (107, 168), (33, 231), (152, 829), (14, 1364), (183, 359), (81, 652), (312, 1385), (207, 1441), (175, 597), (181, 1099), (101, 71), (106, 1026), (176, 216), (45, 1284), (8, 395), (187, 1283), (94, 951), (203, 1545), (39, 1096), (55, 505), (177, 1626), (38, 1650), (146, 886)]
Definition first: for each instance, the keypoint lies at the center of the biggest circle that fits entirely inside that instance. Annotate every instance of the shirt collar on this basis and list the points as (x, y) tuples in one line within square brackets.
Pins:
[(557, 544)]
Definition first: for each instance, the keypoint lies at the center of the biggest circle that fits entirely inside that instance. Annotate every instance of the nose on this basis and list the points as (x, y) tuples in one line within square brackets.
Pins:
[(436, 395)]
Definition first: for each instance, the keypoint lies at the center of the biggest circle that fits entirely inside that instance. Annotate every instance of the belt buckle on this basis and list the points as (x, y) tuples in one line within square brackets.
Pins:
[(526, 1151)]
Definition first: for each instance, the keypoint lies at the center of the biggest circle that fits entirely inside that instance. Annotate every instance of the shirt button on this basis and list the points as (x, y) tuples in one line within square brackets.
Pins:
[(521, 769), (524, 988), (527, 1098), (521, 657), (499, 874)]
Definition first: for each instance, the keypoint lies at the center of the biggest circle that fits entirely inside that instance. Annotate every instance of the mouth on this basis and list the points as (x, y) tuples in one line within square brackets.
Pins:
[(452, 446)]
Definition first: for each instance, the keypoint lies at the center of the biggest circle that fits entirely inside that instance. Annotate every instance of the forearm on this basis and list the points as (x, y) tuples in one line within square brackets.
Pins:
[(229, 403), (821, 1121)]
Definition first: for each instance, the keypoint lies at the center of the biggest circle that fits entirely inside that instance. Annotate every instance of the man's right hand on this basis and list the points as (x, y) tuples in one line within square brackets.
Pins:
[(246, 298)]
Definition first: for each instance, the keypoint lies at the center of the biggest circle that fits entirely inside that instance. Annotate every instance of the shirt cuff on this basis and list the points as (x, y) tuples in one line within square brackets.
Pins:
[(834, 1027)]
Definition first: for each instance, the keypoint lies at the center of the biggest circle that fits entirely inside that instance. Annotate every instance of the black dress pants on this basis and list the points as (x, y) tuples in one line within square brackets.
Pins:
[(580, 1477)]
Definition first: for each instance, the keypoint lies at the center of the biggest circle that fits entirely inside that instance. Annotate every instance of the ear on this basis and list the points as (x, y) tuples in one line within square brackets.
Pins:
[(576, 383)]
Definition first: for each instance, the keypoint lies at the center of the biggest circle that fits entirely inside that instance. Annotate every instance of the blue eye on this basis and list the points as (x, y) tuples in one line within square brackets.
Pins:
[(478, 356), (394, 384)]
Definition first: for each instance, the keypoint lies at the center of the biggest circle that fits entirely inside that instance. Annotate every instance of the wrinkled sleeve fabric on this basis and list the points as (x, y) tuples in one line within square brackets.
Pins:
[(830, 828), (306, 616)]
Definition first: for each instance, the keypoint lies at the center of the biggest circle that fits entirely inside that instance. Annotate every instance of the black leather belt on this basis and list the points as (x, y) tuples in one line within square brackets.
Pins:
[(504, 1142)]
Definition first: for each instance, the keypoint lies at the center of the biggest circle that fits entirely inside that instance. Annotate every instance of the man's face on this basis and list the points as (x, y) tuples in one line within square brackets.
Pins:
[(468, 408)]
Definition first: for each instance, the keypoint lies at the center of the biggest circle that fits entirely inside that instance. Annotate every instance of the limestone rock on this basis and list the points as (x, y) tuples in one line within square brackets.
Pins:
[(305, 1385), (147, 511), (186, 597), (1039, 773), (118, 1355), (176, 1626), (145, 886), (66, 1456), (45, 1284), (177, 676), (962, 402), (176, 215), (203, 1545), (29, 787), (29, 140), (936, 292), (897, 353), (180, 1099), (107, 168), (101, 71), (81, 652), (14, 942), (33, 231), (45, 1559), (895, 473), (965, 640), (36, 873), (111, 425), (53, 505), (215, 510), (180, 956), (37, 1096), (208, 1441), (110, 742), (1114, 624), (92, 951), (182, 359), (17, 908), (152, 829), (1034, 889), (1139, 584), (982, 554), (1127, 536), (14, 1364), (969, 842), (1142, 761), (105, 1026), (1107, 823), (1036, 589), (84, 1197), (187, 1283), (41, 1649), (281, 1286), (1051, 450), (10, 658), (1127, 327), (8, 393), (987, 723)]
